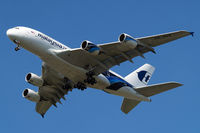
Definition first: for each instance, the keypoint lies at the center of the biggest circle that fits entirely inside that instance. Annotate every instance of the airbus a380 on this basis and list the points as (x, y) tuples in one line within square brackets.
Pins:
[(64, 68)]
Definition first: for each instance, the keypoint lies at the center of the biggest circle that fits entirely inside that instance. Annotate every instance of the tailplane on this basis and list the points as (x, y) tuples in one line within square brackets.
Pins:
[(139, 79), (150, 90), (128, 105)]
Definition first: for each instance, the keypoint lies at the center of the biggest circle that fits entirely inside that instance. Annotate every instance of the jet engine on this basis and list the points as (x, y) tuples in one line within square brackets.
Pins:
[(90, 47), (31, 95), (128, 40), (34, 79)]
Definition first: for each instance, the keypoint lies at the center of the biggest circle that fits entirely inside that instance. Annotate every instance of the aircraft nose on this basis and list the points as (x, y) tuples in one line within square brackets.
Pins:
[(15, 35), (11, 33)]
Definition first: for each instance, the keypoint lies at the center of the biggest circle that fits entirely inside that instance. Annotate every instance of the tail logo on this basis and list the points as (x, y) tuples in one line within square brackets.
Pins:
[(144, 76)]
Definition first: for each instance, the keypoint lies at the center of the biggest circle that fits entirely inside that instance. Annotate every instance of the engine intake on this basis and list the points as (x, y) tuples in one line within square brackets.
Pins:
[(31, 95), (90, 47), (128, 40), (34, 79)]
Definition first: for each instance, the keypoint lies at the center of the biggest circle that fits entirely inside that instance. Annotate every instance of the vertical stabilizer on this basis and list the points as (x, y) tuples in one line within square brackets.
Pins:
[(141, 76)]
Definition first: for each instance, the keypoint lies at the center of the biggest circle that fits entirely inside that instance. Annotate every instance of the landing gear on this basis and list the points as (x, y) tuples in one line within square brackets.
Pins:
[(17, 48), (90, 79), (17, 42), (80, 86), (67, 87)]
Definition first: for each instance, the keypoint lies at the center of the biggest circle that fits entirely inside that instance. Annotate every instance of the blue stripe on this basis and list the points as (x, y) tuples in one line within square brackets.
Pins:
[(92, 49), (129, 39), (115, 81)]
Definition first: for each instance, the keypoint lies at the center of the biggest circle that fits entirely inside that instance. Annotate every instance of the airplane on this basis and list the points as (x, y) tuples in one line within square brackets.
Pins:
[(64, 69)]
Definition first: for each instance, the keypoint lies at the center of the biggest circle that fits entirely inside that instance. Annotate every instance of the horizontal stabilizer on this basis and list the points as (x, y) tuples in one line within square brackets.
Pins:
[(157, 88), (128, 105)]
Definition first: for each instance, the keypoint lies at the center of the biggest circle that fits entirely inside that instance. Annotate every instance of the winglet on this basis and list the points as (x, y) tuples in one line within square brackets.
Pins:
[(192, 33)]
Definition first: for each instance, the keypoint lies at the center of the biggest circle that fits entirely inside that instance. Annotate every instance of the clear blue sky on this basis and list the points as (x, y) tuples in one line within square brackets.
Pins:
[(93, 111)]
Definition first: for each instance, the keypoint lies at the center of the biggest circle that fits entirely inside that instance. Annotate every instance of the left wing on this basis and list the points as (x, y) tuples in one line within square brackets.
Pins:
[(115, 53), (42, 107), (54, 89)]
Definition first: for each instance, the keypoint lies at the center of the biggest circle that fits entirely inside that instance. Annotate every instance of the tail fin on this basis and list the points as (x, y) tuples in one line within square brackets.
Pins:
[(141, 76)]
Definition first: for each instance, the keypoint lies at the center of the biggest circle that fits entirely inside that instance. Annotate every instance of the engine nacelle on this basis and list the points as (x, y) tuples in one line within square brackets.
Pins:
[(90, 47), (128, 40), (34, 79), (31, 95)]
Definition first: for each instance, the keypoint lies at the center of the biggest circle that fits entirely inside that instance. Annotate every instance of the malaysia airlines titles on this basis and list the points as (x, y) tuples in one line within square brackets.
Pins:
[(51, 41)]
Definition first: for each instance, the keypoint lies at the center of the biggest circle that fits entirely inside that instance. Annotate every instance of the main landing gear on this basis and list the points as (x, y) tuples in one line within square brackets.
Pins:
[(90, 79), (80, 86), (67, 85)]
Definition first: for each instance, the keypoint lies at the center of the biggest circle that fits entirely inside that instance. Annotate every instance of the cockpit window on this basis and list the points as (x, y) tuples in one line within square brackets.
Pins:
[(17, 28)]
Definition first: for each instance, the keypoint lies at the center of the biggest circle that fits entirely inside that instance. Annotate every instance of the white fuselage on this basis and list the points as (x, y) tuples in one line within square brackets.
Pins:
[(46, 48)]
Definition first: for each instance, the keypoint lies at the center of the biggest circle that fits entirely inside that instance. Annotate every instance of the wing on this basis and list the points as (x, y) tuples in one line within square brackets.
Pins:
[(42, 107), (115, 53), (55, 87), (157, 40)]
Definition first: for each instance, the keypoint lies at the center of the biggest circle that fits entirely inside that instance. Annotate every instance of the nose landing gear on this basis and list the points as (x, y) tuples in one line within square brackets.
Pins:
[(17, 42), (17, 48)]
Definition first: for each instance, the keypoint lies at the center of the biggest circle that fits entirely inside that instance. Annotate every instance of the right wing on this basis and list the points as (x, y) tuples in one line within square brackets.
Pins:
[(157, 40), (115, 53)]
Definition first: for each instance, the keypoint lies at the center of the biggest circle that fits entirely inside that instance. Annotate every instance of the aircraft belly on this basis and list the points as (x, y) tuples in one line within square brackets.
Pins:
[(74, 73), (102, 82)]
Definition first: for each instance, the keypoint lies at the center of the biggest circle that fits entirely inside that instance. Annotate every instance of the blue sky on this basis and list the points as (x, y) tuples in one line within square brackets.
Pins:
[(71, 22)]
